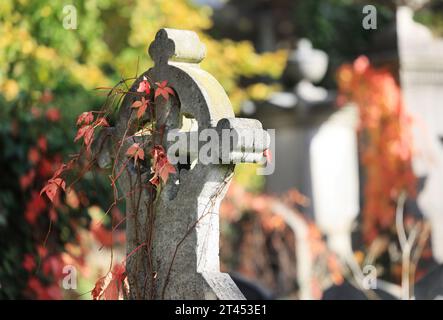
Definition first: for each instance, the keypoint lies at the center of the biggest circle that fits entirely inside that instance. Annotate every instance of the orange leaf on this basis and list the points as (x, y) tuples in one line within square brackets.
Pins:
[(33, 155), (144, 86), (52, 187), (161, 167), (27, 179), (112, 286), (165, 171), (85, 118), (163, 90), (98, 288), (135, 152), (87, 133), (102, 122), (141, 106)]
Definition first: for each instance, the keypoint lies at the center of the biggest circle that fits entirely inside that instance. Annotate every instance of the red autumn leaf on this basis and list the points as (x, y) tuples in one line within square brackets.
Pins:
[(361, 64), (111, 292), (98, 288), (53, 114), (141, 106), (29, 262), (53, 265), (53, 214), (165, 170), (155, 180), (157, 152), (119, 272), (54, 183), (53, 292), (42, 251), (386, 161), (42, 143), (268, 155), (36, 286), (112, 286), (59, 182), (51, 190), (144, 86), (43, 292), (85, 118), (59, 171), (52, 187), (34, 208), (27, 179), (135, 152), (80, 133), (45, 168), (116, 286), (87, 133), (163, 90), (101, 122), (33, 155), (104, 236), (161, 167)]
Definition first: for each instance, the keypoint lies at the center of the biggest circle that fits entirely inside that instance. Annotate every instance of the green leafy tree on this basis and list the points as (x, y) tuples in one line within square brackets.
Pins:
[(47, 77)]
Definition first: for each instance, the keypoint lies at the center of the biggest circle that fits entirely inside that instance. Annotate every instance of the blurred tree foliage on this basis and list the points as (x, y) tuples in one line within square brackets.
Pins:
[(432, 16), (46, 70), (335, 26), (37, 53)]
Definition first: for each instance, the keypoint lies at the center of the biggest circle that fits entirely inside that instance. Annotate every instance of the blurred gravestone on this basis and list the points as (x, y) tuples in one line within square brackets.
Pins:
[(421, 71), (335, 180), (315, 145), (348, 291), (430, 287)]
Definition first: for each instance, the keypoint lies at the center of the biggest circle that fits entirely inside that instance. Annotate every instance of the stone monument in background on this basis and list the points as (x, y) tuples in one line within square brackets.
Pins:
[(315, 145), (421, 76)]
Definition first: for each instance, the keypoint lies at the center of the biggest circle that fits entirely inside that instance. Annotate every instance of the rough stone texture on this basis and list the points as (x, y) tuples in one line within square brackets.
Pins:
[(248, 143), (184, 256)]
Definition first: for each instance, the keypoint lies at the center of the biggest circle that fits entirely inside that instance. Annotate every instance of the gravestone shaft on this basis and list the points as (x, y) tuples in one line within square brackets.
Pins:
[(173, 240)]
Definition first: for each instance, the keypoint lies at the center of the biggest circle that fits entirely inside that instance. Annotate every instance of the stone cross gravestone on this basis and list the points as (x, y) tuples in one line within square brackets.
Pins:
[(176, 235)]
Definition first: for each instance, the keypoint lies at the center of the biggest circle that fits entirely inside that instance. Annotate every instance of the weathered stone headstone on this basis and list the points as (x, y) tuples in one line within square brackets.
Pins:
[(316, 146), (297, 112), (181, 226), (316, 153), (335, 180), (421, 71), (430, 287)]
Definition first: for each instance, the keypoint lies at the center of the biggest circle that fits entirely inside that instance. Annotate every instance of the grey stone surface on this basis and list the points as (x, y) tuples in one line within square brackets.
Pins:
[(333, 163), (249, 140), (308, 63), (183, 224), (315, 142), (421, 75)]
